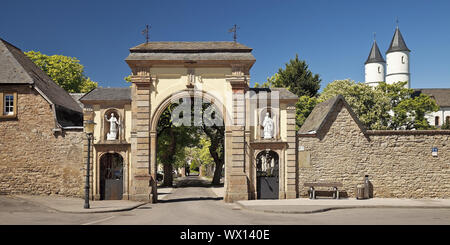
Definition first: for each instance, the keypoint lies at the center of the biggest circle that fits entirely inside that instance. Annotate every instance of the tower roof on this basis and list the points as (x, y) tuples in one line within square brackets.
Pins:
[(397, 43), (375, 55)]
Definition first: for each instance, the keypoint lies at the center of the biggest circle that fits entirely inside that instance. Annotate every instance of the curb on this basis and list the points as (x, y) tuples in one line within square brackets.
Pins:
[(321, 210), (87, 211)]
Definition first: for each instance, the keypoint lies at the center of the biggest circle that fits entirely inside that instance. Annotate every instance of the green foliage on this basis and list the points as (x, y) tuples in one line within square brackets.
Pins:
[(66, 71), (173, 139), (200, 153), (371, 105), (304, 106), (387, 106), (410, 112), (298, 79), (271, 81), (127, 79), (446, 125), (202, 144)]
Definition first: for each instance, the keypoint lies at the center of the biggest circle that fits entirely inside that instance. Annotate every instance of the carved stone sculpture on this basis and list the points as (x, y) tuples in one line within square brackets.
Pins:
[(114, 124), (268, 125)]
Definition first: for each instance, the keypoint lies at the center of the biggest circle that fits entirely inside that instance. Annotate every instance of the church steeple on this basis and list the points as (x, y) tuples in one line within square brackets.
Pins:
[(397, 43), (397, 60), (374, 66), (375, 54)]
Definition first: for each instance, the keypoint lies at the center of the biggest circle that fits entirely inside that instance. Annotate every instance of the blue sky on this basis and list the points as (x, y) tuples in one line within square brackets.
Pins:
[(334, 37)]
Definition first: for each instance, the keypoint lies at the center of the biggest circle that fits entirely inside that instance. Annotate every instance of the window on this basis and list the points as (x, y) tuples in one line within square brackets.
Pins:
[(8, 103), (447, 120), (403, 59), (436, 121)]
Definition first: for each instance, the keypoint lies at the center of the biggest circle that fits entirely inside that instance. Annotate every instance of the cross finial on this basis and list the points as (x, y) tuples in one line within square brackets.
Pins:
[(234, 30), (146, 32), (374, 36), (396, 21)]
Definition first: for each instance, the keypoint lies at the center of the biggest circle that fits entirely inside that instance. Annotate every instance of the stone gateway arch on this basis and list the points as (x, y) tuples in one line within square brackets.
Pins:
[(214, 72)]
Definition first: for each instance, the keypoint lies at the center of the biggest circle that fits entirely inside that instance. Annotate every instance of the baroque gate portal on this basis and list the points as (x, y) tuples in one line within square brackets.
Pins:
[(218, 73)]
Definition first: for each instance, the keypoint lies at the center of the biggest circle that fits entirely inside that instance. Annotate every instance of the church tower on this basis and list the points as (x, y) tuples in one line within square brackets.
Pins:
[(374, 66), (397, 60)]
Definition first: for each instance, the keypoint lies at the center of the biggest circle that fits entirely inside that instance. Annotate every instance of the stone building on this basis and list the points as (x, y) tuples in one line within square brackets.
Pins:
[(41, 130), (44, 151), (335, 147), (169, 72)]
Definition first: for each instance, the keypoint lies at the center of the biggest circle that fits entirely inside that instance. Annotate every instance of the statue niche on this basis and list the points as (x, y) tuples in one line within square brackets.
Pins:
[(112, 126), (268, 126)]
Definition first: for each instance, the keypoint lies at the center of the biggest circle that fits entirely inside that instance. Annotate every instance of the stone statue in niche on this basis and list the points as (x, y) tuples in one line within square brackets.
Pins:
[(114, 124), (268, 125)]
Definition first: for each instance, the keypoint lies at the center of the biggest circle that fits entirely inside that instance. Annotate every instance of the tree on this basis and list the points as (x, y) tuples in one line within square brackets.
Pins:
[(304, 106), (387, 106), (446, 125), (410, 113), (66, 71), (127, 79), (171, 142), (371, 105), (298, 79)]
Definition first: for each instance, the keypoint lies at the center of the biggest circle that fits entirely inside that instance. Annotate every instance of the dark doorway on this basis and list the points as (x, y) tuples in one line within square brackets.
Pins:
[(267, 172), (111, 177)]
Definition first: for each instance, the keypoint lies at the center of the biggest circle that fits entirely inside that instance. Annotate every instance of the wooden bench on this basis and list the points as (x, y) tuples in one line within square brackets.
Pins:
[(312, 185)]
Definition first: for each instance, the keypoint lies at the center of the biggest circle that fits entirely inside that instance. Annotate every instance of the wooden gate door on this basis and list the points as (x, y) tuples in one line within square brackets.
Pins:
[(111, 177)]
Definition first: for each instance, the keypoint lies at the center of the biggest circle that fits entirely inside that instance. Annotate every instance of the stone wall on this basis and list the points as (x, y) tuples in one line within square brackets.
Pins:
[(399, 163), (33, 159)]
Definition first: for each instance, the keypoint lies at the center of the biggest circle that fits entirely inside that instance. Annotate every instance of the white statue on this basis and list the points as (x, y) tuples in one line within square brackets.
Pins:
[(268, 127), (114, 123)]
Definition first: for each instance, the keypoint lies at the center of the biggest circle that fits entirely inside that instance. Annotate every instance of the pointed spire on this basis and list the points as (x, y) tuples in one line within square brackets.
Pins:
[(375, 54), (397, 43)]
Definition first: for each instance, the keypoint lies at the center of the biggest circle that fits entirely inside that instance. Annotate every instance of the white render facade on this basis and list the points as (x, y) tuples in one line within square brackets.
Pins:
[(394, 69)]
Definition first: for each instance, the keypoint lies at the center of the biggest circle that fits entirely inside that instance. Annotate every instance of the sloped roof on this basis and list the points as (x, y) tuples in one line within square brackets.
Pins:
[(76, 97), (397, 43), (322, 113), (17, 68), (440, 95), (107, 94), (191, 51), (375, 55), (163, 47), (283, 93)]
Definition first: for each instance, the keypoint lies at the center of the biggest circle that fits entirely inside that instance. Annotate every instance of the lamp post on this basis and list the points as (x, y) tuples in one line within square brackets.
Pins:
[(89, 130)]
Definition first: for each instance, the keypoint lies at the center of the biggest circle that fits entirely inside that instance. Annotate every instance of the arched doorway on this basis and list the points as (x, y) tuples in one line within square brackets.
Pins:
[(209, 118), (111, 176), (267, 175)]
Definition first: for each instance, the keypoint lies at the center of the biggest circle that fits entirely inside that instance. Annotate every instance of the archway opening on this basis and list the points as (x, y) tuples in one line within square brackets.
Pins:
[(111, 176), (267, 175), (190, 144)]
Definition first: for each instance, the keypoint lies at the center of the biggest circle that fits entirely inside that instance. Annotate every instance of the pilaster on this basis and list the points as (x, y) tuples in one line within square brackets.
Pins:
[(291, 171), (141, 185), (238, 183)]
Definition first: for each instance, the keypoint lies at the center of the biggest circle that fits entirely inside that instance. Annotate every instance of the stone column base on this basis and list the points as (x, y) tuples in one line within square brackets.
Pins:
[(237, 188), (140, 197), (141, 191), (291, 194)]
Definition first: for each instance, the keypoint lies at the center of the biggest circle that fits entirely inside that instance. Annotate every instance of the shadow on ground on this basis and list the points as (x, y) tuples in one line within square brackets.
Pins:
[(191, 199)]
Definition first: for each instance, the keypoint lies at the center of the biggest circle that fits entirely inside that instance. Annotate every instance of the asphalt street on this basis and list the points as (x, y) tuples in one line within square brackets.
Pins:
[(193, 203)]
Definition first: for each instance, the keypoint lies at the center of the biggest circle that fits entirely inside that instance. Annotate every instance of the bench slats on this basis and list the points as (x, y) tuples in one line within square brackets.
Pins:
[(323, 184)]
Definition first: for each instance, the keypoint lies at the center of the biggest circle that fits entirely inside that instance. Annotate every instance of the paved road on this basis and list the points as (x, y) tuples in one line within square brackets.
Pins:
[(192, 202)]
